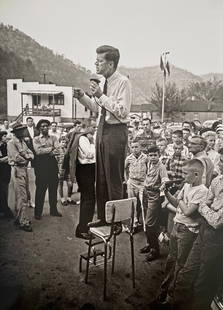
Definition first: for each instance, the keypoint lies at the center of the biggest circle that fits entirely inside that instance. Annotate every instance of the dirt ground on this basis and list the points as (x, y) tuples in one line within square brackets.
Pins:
[(40, 270)]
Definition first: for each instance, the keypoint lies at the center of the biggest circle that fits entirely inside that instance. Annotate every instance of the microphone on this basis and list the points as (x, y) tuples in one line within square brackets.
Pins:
[(94, 77)]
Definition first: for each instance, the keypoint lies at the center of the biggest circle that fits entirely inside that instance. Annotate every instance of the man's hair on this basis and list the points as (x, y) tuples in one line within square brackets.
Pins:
[(28, 118), (186, 122), (153, 149), (195, 164), (111, 53), (76, 122), (178, 133), (186, 129), (203, 142), (147, 119), (161, 139), (136, 140), (53, 123)]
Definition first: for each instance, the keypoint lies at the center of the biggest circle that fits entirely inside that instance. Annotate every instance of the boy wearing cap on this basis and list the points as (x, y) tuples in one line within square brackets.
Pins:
[(19, 156)]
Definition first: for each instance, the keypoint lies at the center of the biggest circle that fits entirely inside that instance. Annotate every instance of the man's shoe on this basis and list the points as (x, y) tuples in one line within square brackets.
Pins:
[(27, 228), (97, 223), (153, 255), (71, 202), (58, 214), (145, 249), (38, 217)]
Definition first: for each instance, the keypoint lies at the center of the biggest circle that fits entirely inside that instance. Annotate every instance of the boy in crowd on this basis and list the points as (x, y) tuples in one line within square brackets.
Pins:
[(64, 176), (199, 279), (186, 136), (177, 138), (174, 164), (162, 145), (135, 175), (186, 224), (156, 176)]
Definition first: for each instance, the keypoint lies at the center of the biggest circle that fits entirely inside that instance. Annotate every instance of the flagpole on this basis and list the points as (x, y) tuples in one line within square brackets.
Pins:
[(163, 98), (164, 88)]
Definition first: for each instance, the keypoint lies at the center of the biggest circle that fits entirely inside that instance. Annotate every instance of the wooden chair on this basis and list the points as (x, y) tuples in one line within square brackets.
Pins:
[(117, 212)]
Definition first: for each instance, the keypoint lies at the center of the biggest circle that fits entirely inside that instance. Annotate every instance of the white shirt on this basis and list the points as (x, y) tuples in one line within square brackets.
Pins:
[(118, 99), (31, 131), (86, 151)]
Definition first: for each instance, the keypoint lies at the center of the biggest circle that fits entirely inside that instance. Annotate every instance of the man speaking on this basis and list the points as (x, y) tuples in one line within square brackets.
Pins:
[(113, 104)]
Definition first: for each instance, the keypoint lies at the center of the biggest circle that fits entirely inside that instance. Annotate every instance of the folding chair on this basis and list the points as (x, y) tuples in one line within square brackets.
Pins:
[(117, 213)]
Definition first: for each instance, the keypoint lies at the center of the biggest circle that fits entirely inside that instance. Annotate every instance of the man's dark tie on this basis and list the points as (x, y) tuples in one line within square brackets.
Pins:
[(103, 114), (103, 111)]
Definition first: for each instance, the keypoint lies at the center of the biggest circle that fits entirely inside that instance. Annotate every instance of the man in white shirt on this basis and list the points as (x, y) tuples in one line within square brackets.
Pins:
[(53, 131), (114, 104), (29, 133)]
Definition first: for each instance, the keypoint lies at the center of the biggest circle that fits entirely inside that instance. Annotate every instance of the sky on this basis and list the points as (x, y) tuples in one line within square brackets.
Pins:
[(191, 30)]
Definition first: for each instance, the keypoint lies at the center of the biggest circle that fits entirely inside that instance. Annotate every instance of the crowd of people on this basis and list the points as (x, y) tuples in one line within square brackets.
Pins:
[(40, 152), (176, 175), (177, 181)]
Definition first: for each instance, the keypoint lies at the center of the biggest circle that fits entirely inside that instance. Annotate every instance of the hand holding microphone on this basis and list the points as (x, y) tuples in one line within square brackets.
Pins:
[(94, 86), (78, 92)]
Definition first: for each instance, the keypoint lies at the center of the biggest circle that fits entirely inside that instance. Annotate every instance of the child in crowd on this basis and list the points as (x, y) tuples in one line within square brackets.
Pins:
[(200, 278), (177, 137), (135, 174), (64, 176), (210, 137), (174, 164), (162, 145), (155, 178), (186, 224)]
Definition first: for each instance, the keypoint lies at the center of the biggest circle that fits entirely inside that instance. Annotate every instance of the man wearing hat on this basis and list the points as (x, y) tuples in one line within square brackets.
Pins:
[(46, 169), (19, 156)]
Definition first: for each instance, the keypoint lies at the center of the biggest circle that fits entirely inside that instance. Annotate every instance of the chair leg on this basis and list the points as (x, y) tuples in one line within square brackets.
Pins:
[(113, 255), (105, 270), (88, 259), (133, 260)]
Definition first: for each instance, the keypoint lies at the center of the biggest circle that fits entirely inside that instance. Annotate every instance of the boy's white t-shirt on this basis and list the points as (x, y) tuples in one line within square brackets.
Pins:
[(190, 194)]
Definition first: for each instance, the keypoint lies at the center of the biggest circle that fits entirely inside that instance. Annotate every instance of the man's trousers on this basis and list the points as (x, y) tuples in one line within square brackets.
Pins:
[(111, 145)]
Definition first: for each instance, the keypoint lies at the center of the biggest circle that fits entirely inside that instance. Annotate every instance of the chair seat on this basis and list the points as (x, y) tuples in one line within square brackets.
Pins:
[(101, 231)]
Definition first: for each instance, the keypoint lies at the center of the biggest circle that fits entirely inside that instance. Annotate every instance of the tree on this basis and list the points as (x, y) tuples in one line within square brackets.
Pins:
[(204, 91), (173, 100)]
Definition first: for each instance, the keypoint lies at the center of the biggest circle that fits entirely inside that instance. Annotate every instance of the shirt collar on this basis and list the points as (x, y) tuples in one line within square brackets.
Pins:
[(113, 76)]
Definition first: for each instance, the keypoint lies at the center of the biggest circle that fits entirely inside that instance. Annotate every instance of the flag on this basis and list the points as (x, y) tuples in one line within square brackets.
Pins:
[(164, 65)]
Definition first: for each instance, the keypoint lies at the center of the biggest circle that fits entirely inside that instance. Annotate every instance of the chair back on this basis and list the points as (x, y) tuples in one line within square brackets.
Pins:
[(120, 210)]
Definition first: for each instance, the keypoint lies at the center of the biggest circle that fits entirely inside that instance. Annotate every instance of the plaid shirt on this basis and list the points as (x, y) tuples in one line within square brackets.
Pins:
[(174, 166), (137, 166)]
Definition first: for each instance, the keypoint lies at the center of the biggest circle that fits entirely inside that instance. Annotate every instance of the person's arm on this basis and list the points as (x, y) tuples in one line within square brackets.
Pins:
[(85, 147), (40, 148), (171, 208), (56, 146), (89, 103), (188, 209), (126, 171), (172, 200), (120, 105), (214, 218), (13, 155)]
